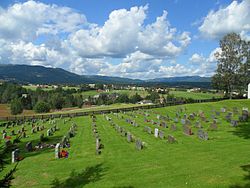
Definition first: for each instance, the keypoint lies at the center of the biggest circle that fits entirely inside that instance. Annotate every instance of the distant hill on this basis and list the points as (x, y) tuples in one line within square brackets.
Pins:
[(45, 75)]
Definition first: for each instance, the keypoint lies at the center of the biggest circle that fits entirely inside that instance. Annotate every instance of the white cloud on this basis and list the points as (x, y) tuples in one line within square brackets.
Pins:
[(233, 18), (124, 33), (204, 66), (30, 33), (196, 58), (26, 21)]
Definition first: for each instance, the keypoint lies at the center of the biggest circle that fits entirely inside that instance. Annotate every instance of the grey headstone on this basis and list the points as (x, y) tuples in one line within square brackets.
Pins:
[(57, 151), (171, 139), (187, 130), (173, 127), (234, 123), (161, 134), (129, 137), (15, 155), (28, 146), (213, 127), (138, 144), (202, 135), (156, 133)]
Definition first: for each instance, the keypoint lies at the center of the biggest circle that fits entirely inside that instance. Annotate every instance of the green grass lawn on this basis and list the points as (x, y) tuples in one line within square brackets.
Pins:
[(194, 95), (222, 161)]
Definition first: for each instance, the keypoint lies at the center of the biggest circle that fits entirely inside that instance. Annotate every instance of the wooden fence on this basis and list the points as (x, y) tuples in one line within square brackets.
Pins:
[(76, 114)]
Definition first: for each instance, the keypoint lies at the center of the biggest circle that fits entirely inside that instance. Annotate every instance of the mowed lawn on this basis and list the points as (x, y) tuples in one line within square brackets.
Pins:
[(222, 161), (194, 95)]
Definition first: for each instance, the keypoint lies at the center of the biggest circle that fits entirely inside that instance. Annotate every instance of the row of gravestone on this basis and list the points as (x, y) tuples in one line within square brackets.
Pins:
[(99, 145), (159, 134), (130, 137)]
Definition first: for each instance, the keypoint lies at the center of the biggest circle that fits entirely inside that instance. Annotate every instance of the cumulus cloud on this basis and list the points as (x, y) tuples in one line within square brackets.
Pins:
[(204, 66), (233, 18), (31, 33), (197, 58), (124, 33), (26, 21)]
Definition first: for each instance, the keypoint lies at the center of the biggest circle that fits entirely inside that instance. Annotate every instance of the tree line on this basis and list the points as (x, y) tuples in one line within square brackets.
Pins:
[(42, 101)]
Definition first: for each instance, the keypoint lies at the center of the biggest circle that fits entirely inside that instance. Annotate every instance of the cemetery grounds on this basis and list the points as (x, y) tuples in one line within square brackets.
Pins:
[(218, 159)]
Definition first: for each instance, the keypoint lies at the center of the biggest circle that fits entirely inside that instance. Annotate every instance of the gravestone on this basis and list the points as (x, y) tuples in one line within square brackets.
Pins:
[(28, 146), (12, 133), (187, 122), (191, 116), (202, 135), (98, 145), (49, 133), (129, 137), (8, 144), (183, 121), (171, 139), (176, 120), (4, 135), (33, 130), (217, 113), (173, 127), (187, 130), (223, 110), (234, 123), (213, 127), (198, 124), (149, 130), (138, 144), (156, 133), (24, 134), (228, 118), (163, 124), (15, 155), (161, 134), (57, 151)]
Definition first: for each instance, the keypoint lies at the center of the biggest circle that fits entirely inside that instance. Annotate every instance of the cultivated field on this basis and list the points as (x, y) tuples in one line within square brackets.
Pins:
[(194, 95), (221, 161)]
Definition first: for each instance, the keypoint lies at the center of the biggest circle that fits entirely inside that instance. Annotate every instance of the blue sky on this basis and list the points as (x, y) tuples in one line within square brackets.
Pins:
[(136, 39)]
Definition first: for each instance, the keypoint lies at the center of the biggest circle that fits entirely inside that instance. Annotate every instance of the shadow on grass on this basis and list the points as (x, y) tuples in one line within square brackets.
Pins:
[(243, 130), (86, 176), (246, 168)]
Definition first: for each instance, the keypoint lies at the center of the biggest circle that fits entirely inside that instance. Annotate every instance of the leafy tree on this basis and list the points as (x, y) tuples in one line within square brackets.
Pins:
[(154, 96), (27, 102), (135, 98), (16, 106), (231, 61), (42, 107), (57, 101), (122, 98)]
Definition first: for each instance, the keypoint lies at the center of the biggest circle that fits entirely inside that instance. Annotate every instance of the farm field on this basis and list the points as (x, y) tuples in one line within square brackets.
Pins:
[(194, 95), (221, 161)]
